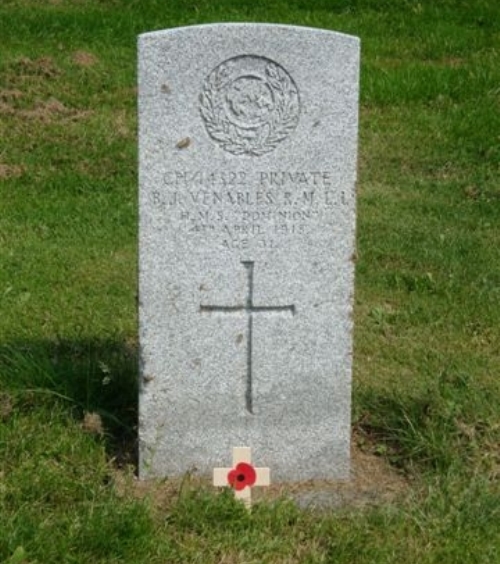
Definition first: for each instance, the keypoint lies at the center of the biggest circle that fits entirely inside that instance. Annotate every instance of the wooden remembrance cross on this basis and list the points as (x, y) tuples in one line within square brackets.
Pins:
[(242, 465), (250, 309)]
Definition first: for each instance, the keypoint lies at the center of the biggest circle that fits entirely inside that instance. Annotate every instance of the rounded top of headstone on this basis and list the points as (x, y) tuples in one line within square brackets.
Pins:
[(250, 26)]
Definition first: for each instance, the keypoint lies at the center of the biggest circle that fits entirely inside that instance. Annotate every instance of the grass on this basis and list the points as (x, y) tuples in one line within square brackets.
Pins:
[(427, 313)]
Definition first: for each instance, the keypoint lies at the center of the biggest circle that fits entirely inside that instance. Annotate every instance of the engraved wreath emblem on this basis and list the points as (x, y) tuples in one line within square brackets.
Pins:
[(249, 104)]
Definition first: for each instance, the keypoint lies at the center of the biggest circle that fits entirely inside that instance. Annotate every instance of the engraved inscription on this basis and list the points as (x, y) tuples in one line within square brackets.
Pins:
[(248, 210), (249, 104)]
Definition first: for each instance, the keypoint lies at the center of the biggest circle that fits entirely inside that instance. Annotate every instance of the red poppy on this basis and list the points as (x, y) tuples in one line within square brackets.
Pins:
[(243, 475)]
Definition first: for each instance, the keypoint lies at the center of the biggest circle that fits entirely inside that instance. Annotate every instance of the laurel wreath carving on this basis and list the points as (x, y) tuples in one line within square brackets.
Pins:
[(265, 136)]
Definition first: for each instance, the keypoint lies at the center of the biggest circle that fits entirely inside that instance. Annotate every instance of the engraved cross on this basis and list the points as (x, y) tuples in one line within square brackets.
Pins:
[(250, 309)]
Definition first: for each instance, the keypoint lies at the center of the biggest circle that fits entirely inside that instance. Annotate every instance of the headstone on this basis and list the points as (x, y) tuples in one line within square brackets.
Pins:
[(247, 166)]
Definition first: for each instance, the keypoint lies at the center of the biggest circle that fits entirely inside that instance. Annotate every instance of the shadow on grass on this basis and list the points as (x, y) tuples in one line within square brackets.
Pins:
[(97, 380), (453, 421)]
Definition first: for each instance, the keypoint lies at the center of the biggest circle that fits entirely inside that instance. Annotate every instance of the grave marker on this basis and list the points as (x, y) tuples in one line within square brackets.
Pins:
[(247, 166), (242, 476)]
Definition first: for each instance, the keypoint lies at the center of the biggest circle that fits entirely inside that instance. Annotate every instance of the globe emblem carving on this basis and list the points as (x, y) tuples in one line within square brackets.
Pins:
[(250, 101), (249, 104)]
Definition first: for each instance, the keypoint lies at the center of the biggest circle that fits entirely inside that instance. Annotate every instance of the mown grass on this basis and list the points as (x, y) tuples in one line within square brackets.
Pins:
[(427, 337)]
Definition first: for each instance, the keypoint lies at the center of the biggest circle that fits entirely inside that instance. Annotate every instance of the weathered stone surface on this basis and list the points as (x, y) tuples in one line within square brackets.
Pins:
[(247, 144)]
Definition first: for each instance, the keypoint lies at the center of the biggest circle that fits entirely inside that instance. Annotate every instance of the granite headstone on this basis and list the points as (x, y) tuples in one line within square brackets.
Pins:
[(247, 168)]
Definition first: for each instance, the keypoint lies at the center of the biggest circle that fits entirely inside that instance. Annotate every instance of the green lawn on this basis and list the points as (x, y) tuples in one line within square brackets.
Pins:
[(427, 314)]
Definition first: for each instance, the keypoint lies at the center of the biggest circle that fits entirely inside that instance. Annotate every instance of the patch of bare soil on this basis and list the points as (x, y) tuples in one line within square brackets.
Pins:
[(92, 423), (121, 125), (373, 482), (9, 100), (9, 96), (43, 66), (10, 171), (84, 59), (45, 111), (6, 406), (50, 110)]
